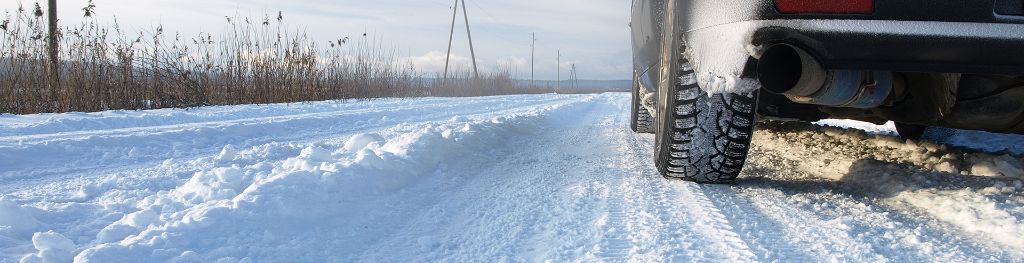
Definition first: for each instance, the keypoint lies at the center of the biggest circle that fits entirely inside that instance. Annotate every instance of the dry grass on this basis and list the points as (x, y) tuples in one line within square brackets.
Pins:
[(256, 61)]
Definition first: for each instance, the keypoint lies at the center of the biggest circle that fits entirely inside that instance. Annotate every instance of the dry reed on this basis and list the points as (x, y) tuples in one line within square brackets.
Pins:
[(255, 61)]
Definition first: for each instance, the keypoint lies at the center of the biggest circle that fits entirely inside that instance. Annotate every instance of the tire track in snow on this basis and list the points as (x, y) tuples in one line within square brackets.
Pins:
[(615, 242), (516, 207), (622, 220), (669, 220), (764, 235), (711, 222), (830, 240)]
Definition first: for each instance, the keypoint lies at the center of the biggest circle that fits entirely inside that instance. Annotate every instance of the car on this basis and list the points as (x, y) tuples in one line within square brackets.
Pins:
[(706, 71)]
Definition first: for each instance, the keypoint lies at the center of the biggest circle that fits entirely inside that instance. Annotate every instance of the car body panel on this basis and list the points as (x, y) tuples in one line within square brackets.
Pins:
[(646, 24)]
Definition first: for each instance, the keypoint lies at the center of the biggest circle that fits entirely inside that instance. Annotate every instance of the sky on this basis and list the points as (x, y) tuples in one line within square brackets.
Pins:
[(592, 34)]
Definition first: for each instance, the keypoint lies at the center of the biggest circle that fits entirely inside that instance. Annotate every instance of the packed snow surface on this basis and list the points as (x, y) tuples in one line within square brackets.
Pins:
[(490, 179)]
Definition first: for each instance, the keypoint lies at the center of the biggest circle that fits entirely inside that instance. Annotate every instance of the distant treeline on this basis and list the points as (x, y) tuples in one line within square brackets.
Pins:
[(585, 84), (256, 61)]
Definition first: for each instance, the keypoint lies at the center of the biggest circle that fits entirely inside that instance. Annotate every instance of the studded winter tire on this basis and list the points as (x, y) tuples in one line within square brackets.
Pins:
[(700, 137)]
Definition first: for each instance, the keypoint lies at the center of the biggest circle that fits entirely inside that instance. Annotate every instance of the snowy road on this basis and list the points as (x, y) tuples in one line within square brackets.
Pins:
[(492, 179)]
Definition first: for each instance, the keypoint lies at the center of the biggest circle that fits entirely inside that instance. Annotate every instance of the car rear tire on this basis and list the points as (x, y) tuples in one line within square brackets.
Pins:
[(701, 138), (642, 120)]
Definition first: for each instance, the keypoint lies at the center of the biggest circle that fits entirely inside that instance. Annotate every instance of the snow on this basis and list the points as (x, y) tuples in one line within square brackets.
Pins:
[(887, 129), (933, 183), (968, 139), (52, 247), (719, 54), (360, 141), (998, 166), (16, 220), (713, 84), (506, 178)]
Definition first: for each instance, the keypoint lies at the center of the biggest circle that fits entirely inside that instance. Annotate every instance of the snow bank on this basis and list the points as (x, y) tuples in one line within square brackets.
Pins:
[(12, 125), (246, 206), (33, 146)]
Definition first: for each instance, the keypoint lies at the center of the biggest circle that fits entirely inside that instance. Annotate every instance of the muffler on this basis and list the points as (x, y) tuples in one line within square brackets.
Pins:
[(789, 70)]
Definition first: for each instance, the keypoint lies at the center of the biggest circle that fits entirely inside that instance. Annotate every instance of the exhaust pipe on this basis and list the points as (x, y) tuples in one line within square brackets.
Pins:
[(791, 71)]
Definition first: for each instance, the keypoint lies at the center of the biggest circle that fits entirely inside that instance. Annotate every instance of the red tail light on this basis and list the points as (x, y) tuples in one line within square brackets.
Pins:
[(825, 6)]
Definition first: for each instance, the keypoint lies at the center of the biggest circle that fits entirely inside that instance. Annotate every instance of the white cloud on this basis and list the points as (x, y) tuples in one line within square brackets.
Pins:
[(513, 62), (433, 61)]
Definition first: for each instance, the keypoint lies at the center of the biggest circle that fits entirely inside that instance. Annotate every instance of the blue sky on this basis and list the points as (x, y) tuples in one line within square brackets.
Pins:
[(593, 34)]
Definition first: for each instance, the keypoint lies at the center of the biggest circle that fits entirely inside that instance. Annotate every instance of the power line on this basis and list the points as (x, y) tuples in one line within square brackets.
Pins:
[(484, 10)]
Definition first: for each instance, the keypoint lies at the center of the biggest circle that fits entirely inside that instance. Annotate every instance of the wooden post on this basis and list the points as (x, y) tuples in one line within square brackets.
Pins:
[(451, 35), (52, 49), (472, 53)]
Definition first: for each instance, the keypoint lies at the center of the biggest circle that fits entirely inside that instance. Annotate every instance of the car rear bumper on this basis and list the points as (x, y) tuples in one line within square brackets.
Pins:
[(913, 46), (955, 47)]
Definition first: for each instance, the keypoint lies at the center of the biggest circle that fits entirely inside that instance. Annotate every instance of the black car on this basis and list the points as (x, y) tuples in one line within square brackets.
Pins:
[(706, 70)]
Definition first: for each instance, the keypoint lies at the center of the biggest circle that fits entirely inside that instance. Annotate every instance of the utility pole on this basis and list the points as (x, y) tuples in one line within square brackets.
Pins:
[(558, 67), (533, 50), (451, 35), (572, 78), (471, 52), (53, 69)]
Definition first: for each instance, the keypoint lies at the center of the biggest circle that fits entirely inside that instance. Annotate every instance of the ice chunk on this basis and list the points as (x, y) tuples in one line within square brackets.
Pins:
[(142, 218), (228, 153), (999, 166), (51, 247), (360, 141), (1009, 166), (218, 183), (370, 159), (316, 154), (115, 232)]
